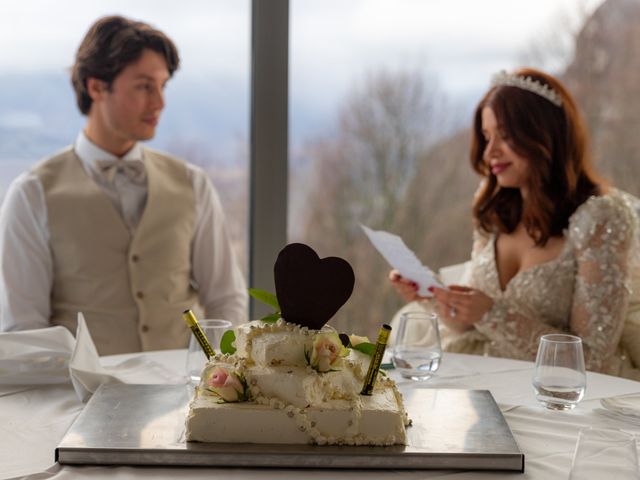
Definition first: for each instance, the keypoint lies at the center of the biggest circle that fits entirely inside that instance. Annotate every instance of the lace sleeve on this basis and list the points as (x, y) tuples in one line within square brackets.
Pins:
[(601, 291), (602, 233)]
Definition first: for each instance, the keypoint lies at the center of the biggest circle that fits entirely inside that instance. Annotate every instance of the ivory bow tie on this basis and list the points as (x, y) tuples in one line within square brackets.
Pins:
[(133, 169)]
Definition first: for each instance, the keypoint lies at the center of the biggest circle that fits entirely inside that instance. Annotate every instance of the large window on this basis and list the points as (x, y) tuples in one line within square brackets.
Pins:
[(207, 101), (380, 99), (382, 95)]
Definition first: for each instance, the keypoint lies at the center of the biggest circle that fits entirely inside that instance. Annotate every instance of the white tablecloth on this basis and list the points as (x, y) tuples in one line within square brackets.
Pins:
[(34, 420)]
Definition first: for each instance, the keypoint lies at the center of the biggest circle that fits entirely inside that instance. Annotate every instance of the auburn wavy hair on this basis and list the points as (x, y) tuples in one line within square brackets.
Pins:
[(553, 140)]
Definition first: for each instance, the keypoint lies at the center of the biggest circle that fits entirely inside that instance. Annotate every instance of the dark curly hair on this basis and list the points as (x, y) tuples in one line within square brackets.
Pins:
[(109, 46)]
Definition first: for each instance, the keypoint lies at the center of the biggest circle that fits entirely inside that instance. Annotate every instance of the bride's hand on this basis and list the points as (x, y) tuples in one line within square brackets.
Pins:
[(460, 307), (406, 288)]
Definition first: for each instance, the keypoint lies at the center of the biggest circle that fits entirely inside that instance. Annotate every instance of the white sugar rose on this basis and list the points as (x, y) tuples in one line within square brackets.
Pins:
[(327, 352)]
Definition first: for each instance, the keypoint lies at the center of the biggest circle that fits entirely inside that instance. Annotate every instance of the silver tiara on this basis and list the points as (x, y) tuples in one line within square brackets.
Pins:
[(502, 78)]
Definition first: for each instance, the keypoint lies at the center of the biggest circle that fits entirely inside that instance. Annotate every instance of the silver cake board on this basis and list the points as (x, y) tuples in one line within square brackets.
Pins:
[(144, 425)]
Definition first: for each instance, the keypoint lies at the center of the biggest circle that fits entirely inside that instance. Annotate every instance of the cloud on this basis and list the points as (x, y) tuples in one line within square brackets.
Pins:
[(333, 42)]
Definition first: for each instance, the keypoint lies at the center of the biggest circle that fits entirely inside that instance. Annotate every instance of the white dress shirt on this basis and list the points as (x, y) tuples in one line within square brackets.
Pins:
[(26, 266)]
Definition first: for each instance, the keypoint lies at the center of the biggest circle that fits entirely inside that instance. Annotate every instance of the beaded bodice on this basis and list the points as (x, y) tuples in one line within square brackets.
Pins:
[(585, 290), (542, 290)]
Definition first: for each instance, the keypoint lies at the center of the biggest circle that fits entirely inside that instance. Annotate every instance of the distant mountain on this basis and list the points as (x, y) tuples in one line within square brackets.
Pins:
[(604, 78), (38, 115)]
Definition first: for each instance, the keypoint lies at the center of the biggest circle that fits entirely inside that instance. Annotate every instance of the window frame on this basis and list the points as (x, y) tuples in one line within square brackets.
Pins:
[(269, 137)]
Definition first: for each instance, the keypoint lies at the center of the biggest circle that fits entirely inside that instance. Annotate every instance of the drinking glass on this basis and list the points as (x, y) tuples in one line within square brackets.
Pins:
[(416, 352), (213, 329), (604, 453), (559, 380)]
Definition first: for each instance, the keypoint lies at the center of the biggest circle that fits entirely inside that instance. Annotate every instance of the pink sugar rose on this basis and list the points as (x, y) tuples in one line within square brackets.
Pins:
[(225, 383), (326, 351)]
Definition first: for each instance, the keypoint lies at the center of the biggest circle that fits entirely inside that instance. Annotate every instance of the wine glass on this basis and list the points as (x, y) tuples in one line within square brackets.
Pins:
[(213, 330), (417, 351), (559, 378)]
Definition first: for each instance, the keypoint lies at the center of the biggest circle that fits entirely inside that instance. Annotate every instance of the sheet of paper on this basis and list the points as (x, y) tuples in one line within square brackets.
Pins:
[(400, 257)]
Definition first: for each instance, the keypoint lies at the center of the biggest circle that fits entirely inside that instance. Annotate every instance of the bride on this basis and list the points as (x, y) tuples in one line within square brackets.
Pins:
[(555, 248)]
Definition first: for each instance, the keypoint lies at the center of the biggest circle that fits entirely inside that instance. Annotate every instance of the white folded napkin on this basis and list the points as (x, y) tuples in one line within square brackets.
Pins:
[(625, 419), (51, 355), (86, 372), (628, 404), (35, 357)]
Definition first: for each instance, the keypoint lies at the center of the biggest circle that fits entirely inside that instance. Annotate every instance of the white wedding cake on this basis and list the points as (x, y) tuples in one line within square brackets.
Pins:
[(291, 384)]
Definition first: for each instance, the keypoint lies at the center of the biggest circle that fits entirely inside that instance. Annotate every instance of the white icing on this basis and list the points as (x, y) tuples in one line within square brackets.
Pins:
[(372, 421), (289, 402)]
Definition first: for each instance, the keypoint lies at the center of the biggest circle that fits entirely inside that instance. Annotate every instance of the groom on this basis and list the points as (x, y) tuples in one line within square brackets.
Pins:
[(127, 235)]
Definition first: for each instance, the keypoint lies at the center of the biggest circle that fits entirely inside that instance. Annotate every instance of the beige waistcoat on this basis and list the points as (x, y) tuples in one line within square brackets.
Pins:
[(131, 289)]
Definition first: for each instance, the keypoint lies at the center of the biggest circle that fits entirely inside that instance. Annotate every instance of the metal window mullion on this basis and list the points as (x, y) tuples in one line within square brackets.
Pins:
[(269, 160)]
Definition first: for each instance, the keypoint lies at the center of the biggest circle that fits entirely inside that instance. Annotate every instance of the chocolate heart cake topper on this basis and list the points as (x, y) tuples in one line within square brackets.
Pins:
[(311, 290)]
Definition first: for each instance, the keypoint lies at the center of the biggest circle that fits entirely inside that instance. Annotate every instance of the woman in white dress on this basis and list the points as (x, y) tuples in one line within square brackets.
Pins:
[(555, 248)]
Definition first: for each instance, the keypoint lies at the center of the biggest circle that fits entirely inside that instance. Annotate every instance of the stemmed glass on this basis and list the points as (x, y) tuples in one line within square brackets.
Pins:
[(417, 351), (559, 378), (213, 329)]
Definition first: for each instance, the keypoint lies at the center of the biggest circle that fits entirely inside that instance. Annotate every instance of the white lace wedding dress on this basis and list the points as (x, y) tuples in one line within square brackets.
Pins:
[(585, 291)]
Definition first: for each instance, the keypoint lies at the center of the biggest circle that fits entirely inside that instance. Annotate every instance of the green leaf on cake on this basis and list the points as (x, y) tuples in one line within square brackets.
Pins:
[(269, 299), (271, 318), (362, 343), (226, 342), (265, 297), (365, 347)]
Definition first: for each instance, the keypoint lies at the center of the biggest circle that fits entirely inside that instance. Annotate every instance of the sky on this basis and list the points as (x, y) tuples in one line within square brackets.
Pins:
[(333, 43), (450, 35), (460, 43)]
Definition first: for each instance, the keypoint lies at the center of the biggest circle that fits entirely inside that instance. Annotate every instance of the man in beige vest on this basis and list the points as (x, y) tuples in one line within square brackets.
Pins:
[(126, 235)]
